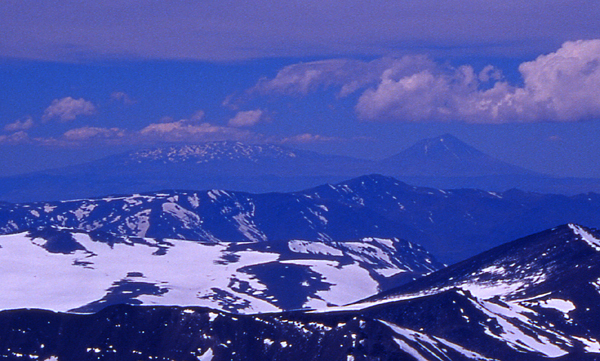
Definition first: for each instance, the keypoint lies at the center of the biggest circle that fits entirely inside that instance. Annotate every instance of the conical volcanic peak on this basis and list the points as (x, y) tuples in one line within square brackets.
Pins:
[(447, 156), (446, 145)]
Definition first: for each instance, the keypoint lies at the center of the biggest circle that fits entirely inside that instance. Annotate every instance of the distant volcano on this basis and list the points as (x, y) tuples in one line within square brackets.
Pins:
[(447, 156)]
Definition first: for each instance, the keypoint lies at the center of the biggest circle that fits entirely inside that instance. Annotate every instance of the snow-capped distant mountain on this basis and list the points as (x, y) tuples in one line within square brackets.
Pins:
[(534, 299), (66, 270), (214, 165), (453, 224)]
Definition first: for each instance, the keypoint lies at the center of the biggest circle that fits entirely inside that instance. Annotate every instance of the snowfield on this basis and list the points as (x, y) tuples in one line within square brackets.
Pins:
[(73, 271)]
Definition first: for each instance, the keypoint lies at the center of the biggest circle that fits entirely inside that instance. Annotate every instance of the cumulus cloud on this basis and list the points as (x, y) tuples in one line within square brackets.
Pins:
[(246, 118), (560, 86), (429, 94), (122, 97), (167, 129), (564, 84), (22, 124), (305, 77), (348, 75), (67, 109)]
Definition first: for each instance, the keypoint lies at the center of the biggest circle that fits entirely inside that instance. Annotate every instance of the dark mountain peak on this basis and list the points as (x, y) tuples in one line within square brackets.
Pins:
[(447, 156), (360, 189), (373, 181), (521, 268)]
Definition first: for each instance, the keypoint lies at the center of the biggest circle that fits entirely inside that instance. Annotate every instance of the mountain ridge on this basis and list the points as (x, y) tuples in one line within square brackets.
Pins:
[(452, 224)]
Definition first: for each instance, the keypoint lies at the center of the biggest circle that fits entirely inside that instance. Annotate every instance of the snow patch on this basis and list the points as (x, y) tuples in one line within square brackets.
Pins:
[(563, 306), (309, 247), (586, 236), (428, 343), (206, 356), (591, 344)]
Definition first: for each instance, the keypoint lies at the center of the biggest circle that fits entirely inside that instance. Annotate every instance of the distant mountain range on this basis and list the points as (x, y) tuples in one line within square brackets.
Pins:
[(442, 162), (453, 225), (533, 299)]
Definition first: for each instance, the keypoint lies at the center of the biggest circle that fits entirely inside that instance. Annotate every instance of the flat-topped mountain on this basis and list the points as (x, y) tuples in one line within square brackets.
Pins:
[(215, 165)]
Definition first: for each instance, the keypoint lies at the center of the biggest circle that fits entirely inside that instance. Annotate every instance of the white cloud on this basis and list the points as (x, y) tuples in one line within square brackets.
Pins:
[(15, 138), (67, 109), (564, 84), (89, 133), (165, 130), (23, 124), (560, 86), (348, 75), (246, 118), (304, 77)]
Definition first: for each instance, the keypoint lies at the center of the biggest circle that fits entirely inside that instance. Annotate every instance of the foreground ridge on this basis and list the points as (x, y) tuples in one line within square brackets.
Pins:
[(532, 299)]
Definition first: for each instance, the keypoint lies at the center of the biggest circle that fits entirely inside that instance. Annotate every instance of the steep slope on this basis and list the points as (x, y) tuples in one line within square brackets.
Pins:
[(533, 299), (453, 224), (66, 270)]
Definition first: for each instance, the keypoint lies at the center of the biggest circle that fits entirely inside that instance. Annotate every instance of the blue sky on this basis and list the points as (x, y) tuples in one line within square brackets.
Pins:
[(518, 80)]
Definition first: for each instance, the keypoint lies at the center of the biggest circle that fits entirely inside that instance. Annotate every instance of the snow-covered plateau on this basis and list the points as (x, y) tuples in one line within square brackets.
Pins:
[(74, 271)]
